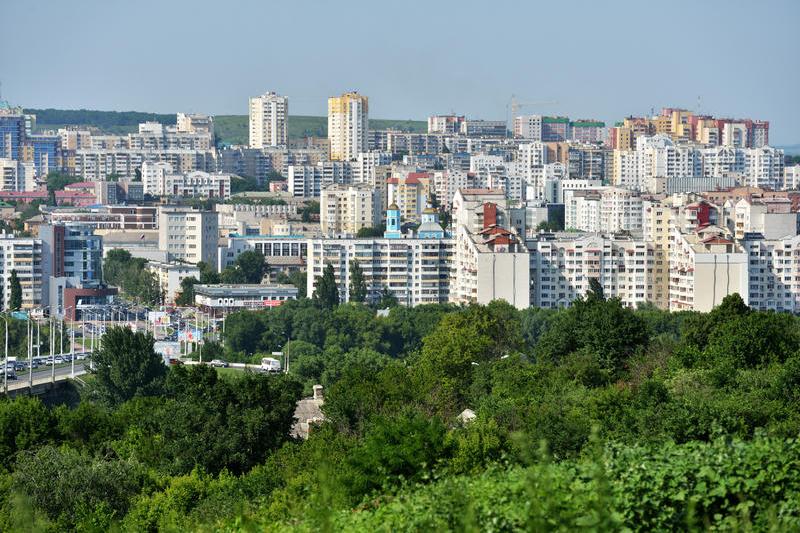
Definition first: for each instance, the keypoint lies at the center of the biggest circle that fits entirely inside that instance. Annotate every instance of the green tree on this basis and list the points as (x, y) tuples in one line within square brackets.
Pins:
[(252, 265), (127, 366), (546, 225), (186, 296), (358, 287), (208, 275), (15, 302), (297, 278), (311, 208), (367, 232), (387, 299), (326, 293)]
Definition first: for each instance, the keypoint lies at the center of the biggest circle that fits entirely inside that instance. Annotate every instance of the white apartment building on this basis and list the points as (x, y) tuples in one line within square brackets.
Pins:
[(771, 217), (17, 175), (528, 127), (97, 164), (269, 116), (656, 156), (447, 124), (415, 271), (562, 265), (492, 264), (170, 276), (705, 267), (365, 166), (774, 273), (308, 181), (348, 126), (791, 178), (753, 167), (195, 123), (472, 208), (188, 235), (345, 209), (23, 255), (197, 183)]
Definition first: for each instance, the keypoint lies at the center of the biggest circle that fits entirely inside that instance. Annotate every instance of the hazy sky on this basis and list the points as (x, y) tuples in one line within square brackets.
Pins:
[(598, 59)]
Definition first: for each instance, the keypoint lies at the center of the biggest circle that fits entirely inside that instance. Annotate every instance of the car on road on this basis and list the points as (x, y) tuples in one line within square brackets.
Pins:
[(59, 360), (10, 374), (81, 356), (219, 363), (175, 361)]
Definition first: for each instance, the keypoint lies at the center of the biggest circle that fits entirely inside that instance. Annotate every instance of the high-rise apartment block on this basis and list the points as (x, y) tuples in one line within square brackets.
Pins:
[(348, 125), (345, 209), (447, 124), (269, 116)]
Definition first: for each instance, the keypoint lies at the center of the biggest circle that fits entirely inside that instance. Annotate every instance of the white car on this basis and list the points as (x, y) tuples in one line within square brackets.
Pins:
[(270, 364)]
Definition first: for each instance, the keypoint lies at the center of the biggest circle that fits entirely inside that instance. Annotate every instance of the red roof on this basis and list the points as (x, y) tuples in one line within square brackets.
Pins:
[(80, 185)]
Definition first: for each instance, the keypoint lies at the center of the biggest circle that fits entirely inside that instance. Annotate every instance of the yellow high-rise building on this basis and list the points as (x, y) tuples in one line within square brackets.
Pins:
[(348, 124)]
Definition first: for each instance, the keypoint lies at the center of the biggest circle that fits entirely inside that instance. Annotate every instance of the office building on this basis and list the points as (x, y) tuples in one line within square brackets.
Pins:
[(221, 300)]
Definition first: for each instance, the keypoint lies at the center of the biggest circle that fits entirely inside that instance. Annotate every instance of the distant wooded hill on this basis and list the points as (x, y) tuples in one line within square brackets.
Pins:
[(230, 129)]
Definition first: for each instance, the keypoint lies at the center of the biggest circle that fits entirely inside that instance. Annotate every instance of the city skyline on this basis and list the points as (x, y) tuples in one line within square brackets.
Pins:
[(410, 63)]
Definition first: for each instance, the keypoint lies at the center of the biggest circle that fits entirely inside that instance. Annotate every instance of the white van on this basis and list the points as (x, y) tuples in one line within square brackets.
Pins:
[(270, 364)]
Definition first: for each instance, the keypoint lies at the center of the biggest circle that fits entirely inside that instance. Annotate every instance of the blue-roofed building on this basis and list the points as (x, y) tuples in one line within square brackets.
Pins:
[(393, 223)]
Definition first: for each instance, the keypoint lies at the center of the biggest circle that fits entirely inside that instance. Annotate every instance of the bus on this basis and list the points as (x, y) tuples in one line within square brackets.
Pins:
[(270, 364)]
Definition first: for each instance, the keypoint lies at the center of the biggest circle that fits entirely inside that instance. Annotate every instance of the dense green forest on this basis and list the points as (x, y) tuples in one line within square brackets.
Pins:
[(230, 129), (595, 417)]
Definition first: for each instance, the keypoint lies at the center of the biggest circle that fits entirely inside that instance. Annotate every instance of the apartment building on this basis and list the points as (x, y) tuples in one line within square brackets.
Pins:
[(587, 131), (410, 192), (170, 276), (195, 123), (348, 124), (562, 265), (97, 164), (17, 175), (484, 128), (684, 212), (345, 209), (188, 235), (774, 272), (492, 264), (528, 127), (605, 209), (22, 255), (197, 183), (415, 270), (308, 181), (269, 119), (446, 124), (705, 266), (477, 209), (791, 178), (773, 218)]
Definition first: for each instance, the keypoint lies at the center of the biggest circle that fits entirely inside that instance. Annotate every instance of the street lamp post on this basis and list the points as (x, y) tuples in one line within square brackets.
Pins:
[(5, 362)]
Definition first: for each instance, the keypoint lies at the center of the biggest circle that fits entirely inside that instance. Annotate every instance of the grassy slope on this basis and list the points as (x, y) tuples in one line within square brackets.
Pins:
[(231, 129)]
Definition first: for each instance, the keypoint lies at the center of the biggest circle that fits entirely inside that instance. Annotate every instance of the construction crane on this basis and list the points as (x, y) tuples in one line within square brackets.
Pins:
[(514, 105)]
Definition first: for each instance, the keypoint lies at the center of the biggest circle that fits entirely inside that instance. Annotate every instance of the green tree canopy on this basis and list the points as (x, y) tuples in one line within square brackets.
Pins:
[(15, 302), (358, 286), (326, 292), (126, 366)]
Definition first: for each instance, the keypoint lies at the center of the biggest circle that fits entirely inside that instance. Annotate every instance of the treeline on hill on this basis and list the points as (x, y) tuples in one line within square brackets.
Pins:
[(111, 121), (595, 417)]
